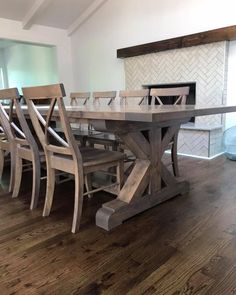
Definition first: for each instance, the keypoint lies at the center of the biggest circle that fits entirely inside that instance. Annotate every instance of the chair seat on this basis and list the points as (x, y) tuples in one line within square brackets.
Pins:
[(92, 156), (105, 136), (26, 148), (87, 133), (80, 134)]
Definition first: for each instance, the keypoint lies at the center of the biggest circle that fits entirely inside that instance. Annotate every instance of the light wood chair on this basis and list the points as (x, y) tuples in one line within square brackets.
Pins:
[(105, 139), (79, 97), (104, 97), (23, 145), (136, 97), (80, 131), (141, 96), (178, 96), (67, 156)]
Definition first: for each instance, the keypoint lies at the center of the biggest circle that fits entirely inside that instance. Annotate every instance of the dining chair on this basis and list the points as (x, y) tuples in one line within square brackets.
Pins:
[(67, 156), (23, 145), (138, 97), (81, 130), (178, 95), (79, 97), (133, 98), (104, 97), (105, 139)]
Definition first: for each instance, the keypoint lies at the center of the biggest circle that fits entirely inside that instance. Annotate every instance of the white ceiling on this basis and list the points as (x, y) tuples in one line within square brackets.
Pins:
[(14, 9), (62, 14)]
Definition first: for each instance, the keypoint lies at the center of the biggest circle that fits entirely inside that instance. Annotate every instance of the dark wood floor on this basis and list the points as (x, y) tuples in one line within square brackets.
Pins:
[(185, 246)]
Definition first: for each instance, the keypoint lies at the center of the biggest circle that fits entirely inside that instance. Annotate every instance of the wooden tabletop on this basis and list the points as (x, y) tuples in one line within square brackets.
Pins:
[(143, 113)]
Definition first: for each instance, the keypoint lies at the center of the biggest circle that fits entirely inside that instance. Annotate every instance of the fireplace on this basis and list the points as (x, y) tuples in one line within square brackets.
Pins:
[(204, 69)]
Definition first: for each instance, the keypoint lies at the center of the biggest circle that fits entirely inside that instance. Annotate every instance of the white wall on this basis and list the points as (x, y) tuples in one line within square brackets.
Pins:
[(30, 65), (44, 35), (122, 23)]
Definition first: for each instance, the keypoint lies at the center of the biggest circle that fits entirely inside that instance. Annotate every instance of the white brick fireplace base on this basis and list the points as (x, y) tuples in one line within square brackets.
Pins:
[(207, 66), (202, 142)]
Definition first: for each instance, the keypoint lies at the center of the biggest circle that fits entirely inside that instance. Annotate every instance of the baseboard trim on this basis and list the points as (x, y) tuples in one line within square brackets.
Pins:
[(198, 157)]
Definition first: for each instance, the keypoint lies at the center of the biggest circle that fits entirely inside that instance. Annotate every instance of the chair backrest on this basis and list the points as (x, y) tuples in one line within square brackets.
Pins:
[(54, 93), (19, 134), (76, 97), (159, 94), (107, 96), (141, 94)]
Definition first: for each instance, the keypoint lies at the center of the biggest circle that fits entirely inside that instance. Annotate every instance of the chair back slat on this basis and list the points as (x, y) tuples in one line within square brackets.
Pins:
[(49, 117), (65, 123), (50, 129), (159, 94), (142, 94)]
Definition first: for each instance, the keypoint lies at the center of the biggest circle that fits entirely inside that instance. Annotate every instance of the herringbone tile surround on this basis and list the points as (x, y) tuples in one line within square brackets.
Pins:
[(206, 65)]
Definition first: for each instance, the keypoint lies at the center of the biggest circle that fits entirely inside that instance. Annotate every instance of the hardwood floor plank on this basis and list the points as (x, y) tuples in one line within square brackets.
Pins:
[(185, 246)]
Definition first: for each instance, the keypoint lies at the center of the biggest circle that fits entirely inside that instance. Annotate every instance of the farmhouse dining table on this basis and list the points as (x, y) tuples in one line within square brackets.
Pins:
[(150, 182)]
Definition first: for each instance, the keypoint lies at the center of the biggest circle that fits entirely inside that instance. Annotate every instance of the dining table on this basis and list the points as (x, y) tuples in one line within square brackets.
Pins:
[(140, 128)]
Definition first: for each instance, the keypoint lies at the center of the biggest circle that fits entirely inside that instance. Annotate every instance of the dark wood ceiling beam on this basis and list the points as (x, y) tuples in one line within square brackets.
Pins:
[(222, 34)]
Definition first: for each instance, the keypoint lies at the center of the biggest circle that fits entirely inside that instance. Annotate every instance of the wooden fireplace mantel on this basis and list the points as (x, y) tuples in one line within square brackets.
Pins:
[(222, 34)]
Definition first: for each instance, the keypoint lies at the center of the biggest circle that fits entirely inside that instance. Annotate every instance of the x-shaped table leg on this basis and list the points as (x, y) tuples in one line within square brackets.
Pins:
[(149, 183)]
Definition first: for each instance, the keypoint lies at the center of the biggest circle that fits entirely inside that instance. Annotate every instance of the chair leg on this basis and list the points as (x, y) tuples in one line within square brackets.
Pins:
[(36, 183), (1, 162), (174, 156), (78, 203), (13, 170), (49, 191), (129, 169), (120, 174), (115, 146), (88, 184), (57, 176), (18, 177), (83, 141)]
